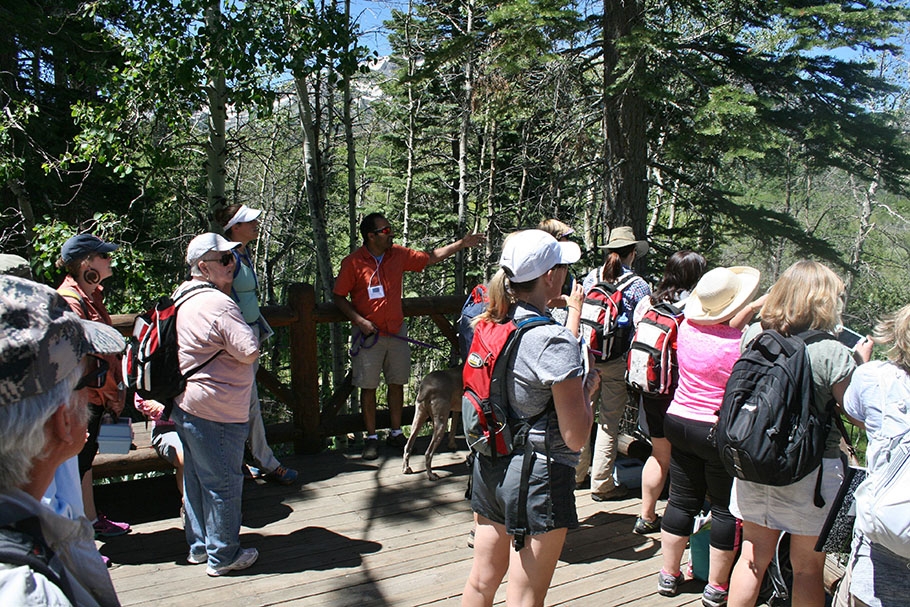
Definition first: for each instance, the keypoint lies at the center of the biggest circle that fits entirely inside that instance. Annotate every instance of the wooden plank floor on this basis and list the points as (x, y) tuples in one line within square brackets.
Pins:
[(362, 533)]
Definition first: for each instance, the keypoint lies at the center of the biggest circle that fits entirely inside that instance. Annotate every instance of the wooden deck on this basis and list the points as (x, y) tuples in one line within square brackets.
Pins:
[(362, 533)]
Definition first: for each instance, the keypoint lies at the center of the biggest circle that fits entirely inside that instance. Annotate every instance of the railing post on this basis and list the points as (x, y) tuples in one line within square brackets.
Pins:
[(305, 369)]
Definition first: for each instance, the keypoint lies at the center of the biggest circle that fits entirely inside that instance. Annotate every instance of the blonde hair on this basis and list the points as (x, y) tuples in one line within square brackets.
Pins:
[(555, 228), (895, 329), (806, 296), (501, 299)]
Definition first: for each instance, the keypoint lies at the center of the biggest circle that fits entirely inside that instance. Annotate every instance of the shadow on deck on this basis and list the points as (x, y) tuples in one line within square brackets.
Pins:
[(362, 533)]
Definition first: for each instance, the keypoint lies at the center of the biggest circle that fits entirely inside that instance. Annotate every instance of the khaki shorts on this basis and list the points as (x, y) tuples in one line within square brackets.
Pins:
[(790, 508), (388, 356)]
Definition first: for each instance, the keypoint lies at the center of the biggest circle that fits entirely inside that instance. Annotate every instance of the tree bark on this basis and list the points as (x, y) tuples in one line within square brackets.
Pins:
[(216, 148), (624, 126), (463, 133)]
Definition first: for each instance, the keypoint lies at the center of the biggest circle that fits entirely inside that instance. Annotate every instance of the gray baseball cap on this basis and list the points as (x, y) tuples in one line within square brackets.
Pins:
[(42, 340)]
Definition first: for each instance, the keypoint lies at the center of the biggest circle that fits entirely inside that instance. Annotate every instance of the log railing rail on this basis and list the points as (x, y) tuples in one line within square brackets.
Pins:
[(313, 422)]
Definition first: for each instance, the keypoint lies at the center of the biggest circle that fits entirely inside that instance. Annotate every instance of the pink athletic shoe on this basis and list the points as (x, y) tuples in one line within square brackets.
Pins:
[(105, 527)]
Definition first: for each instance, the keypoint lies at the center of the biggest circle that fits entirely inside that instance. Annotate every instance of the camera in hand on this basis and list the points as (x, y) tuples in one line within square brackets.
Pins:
[(849, 337)]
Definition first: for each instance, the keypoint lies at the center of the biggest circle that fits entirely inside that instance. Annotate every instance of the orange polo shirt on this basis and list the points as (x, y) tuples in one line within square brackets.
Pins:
[(360, 270)]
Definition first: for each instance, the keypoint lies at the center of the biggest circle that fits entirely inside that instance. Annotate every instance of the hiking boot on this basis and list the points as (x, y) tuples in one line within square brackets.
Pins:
[(668, 585), (714, 597), (196, 559), (282, 475), (245, 558), (105, 527), (618, 492), (643, 527), (396, 440), (370, 449)]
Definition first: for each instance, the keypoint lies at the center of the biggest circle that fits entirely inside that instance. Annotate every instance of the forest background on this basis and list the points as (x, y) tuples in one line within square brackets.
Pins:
[(753, 132)]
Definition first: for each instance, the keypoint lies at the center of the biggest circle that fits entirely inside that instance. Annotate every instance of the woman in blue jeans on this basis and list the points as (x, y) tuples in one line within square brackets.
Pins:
[(212, 415)]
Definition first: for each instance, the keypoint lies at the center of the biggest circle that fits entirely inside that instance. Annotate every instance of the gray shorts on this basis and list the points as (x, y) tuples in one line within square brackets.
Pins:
[(790, 508), (551, 493), (167, 444), (388, 356)]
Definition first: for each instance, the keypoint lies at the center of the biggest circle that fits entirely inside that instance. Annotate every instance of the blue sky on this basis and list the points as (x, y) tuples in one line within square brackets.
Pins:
[(370, 14)]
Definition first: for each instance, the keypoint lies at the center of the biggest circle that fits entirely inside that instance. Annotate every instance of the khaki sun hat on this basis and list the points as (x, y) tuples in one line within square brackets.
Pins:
[(721, 293), (623, 236)]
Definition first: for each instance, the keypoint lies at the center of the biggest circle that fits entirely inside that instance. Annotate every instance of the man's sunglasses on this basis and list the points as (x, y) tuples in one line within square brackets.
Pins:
[(384, 231), (96, 374), (225, 259)]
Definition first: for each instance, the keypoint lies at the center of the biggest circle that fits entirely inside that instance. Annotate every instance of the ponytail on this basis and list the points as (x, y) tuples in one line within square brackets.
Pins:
[(500, 299), (613, 262)]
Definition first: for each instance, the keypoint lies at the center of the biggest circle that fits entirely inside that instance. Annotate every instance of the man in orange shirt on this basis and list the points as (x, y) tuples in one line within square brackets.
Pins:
[(368, 292)]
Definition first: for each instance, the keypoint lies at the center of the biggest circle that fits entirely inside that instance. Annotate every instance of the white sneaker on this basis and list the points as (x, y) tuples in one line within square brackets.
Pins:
[(196, 559), (245, 558)]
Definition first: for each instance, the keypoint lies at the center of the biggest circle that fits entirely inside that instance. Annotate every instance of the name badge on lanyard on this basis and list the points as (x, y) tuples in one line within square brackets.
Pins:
[(376, 291)]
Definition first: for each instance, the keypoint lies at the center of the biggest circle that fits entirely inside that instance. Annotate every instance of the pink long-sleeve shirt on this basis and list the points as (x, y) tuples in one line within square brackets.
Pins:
[(208, 322)]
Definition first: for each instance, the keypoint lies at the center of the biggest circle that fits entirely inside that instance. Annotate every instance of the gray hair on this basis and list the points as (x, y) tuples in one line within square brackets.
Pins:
[(22, 435), (194, 269)]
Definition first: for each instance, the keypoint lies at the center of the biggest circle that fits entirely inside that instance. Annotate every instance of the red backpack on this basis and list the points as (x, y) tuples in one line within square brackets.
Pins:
[(651, 367), (490, 428), (490, 425), (151, 365), (605, 323), (473, 307)]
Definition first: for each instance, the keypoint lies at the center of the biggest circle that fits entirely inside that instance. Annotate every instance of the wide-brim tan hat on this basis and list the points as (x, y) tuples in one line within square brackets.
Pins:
[(624, 236), (721, 293)]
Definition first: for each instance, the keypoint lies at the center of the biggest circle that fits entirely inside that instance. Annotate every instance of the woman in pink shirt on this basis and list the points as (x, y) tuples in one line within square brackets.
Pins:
[(212, 414), (707, 347)]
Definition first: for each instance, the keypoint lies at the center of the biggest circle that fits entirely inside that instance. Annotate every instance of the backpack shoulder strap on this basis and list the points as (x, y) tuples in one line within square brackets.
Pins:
[(180, 297), (507, 355), (23, 544), (178, 301), (509, 348), (73, 294), (668, 309), (625, 280)]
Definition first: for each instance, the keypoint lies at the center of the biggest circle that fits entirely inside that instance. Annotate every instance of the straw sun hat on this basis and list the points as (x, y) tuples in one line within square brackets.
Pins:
[(721, 293)]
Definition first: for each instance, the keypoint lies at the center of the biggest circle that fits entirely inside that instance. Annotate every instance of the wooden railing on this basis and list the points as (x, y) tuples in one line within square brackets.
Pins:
[(313, 421)]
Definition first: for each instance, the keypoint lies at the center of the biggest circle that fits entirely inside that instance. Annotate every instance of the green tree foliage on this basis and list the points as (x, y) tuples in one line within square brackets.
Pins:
[(52, 57)]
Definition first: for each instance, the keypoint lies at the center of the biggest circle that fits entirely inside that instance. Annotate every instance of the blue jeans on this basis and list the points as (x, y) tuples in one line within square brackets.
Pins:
[(212, 485)]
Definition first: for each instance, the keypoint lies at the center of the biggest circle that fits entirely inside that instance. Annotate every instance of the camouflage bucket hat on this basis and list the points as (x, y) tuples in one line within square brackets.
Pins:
[(41, 340)]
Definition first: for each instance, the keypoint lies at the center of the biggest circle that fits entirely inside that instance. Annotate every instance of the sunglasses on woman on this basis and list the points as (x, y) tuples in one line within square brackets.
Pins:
[(96, 374), (224, 260)]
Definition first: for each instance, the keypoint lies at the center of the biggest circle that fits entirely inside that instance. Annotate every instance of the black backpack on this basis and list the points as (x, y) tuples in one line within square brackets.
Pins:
[(767, 430), (22, 543), (151, 366)]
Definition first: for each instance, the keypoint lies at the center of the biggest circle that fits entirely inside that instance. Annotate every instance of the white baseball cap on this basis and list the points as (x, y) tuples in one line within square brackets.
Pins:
[(529, 254), (204, 243)]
